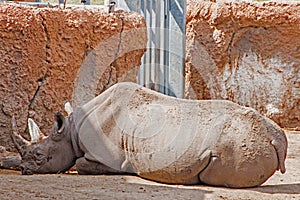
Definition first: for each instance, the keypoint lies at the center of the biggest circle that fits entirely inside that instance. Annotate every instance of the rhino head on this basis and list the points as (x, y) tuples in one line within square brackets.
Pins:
[(51, 154)]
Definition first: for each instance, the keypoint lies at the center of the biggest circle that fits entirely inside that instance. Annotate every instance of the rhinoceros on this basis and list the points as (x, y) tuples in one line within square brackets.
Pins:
[(129, 129)]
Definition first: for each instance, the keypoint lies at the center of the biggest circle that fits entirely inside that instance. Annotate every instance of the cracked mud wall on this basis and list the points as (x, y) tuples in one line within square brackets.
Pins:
[(43, 52), (248, 53)]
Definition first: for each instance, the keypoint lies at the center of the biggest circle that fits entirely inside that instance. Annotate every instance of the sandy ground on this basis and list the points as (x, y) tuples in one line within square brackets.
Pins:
[(73, 186)]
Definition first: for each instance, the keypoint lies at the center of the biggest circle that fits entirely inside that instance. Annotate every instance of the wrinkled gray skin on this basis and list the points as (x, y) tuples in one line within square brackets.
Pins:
[(235, 147), (52, 154)]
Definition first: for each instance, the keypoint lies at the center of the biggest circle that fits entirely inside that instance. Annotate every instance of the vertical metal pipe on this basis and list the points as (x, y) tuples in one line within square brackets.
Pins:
[(166, 46), (161, 46), (150, 44), (157, 46), (141, 76)]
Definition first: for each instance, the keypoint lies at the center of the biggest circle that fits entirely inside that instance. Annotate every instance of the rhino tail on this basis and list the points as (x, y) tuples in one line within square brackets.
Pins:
[(280, 146)]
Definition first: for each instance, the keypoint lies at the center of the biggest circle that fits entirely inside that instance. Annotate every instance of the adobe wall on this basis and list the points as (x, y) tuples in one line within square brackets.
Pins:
[(50, 55), (248, 53)]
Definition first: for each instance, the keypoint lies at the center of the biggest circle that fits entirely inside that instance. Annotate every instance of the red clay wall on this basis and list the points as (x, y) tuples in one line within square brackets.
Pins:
[(43, 52), (248, 53)]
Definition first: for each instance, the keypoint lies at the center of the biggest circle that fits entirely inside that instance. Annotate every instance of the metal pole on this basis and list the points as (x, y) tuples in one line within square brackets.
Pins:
[(157, 62), (166, 46)]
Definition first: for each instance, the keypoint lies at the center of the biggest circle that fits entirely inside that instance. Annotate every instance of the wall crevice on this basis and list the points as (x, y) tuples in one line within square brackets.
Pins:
[(113, 65), (48, 40)]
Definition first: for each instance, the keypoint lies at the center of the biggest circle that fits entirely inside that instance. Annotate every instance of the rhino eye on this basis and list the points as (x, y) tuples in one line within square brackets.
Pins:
[(49, 158), (39, 154)]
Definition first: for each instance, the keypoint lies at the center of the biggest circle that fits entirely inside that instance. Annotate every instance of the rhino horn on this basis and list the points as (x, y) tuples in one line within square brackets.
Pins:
[(34, 131), (19, 141)]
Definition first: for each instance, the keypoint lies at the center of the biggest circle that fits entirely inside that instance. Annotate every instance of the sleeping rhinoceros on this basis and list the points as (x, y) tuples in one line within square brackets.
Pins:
[(132, 129)]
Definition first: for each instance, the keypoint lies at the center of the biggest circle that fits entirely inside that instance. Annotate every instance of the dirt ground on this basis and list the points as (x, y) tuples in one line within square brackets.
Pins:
[(73, 186)]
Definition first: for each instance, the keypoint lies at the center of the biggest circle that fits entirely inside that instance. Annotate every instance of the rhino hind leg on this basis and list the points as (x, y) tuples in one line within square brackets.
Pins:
[(87, 167), (219, 174)]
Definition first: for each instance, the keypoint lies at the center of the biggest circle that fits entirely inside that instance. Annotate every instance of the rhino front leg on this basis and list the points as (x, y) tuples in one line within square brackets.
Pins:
[(87, 167), (10, 162)]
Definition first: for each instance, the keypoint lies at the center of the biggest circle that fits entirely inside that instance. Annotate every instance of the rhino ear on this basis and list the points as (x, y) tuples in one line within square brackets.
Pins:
[(68, 108), (60, 120), (34, 131)]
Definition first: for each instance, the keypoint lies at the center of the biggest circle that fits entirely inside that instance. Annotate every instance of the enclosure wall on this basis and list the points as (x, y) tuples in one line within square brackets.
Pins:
[(51, 55), (248, 53)]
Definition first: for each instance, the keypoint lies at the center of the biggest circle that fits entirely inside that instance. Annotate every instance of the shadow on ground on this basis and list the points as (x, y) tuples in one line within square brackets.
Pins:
[(279, 189)]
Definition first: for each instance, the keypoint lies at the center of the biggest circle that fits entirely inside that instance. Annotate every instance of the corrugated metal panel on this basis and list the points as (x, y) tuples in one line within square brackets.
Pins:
[(163, 64)]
